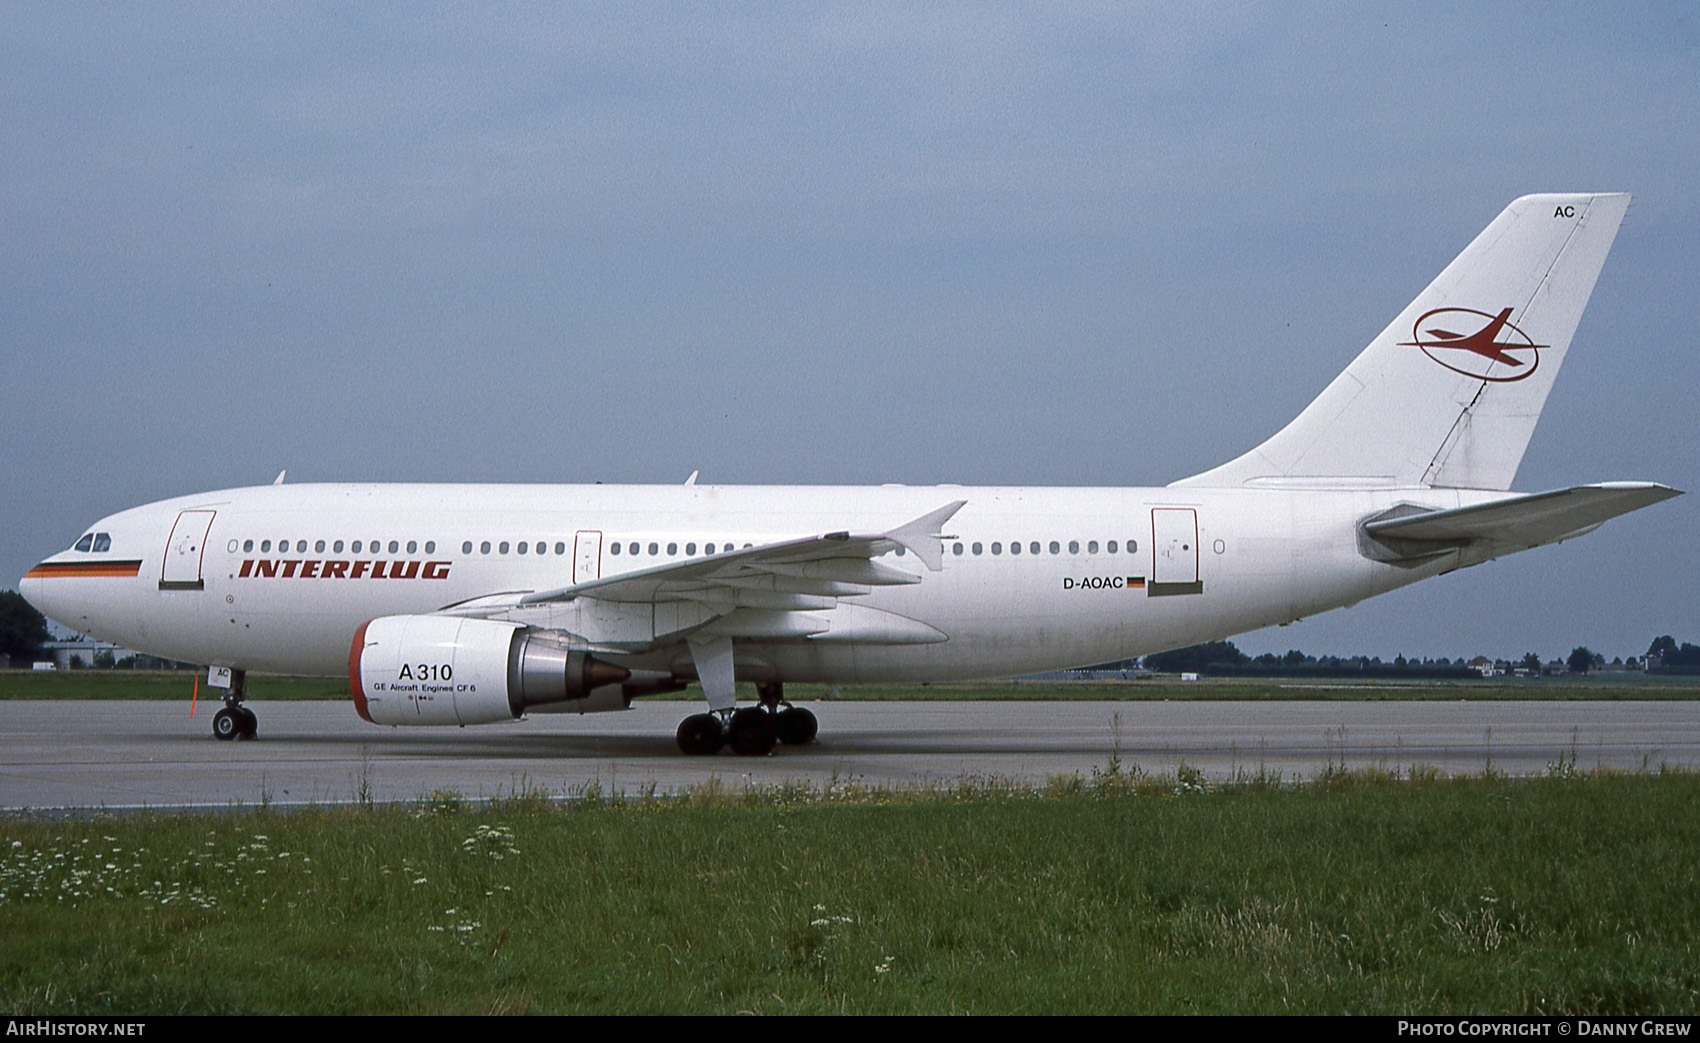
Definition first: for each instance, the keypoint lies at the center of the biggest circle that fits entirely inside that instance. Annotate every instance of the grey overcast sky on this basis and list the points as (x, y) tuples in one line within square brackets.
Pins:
[(843, 243)]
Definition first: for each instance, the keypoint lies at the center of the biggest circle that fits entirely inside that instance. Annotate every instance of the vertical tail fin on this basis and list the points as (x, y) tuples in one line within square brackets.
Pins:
[(1449, 393)]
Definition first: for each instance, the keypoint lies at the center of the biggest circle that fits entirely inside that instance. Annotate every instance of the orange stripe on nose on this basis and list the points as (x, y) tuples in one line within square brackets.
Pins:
[(50, 569)]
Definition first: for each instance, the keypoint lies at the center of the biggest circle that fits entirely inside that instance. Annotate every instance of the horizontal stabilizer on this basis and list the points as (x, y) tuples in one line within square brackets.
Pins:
[(1517, 522)]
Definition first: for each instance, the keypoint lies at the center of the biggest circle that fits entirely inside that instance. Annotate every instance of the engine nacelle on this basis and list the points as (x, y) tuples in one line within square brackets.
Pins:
[(448, 670)]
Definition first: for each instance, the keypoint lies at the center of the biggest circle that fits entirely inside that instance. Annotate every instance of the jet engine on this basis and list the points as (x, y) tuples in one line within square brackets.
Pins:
[(448, 670)]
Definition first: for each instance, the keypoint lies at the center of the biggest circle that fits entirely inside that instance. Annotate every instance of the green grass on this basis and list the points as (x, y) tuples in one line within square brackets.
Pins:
[(1117, 892), (125, 684)]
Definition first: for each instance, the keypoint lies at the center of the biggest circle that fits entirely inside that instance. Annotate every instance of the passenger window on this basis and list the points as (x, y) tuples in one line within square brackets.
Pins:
[(337, 547), (319, 547), (997, 548), (976, 548), (1091, 546), (1111, 546), (265, 546), (614, 548), (560, 548), (1074, 546), (654, 549), (356, 547), (484, 548), (631, 548), (1014, 547), (1132, 545), (1033, 547), (502, 547), (412, 546), (394, 547), (690, 549), (1056, 548), (465, 548), (522, 546), (300, 546), (430, 546), (956, 549), (86, 543), (248, 546), (672, 549)]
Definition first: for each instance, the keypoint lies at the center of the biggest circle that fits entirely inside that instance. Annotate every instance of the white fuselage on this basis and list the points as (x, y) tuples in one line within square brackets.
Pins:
[(1188, 565)]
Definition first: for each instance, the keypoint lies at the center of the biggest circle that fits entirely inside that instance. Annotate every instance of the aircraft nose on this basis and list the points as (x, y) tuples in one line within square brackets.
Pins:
[(40, 593)]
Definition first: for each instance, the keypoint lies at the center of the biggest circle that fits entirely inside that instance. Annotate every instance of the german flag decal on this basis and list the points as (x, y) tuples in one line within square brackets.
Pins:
[(1135, 582), (51, 569)]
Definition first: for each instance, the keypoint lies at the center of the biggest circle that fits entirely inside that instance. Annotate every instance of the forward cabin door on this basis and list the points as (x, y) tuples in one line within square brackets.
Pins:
[(184, 550), (1174, 551), (587, 556)]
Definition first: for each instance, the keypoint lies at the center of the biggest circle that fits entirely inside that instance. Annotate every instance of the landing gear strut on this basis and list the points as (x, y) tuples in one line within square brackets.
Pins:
[(751, 731), (235, 721)]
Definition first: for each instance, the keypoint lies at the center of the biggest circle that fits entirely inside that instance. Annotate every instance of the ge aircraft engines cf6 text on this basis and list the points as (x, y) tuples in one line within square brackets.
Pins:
[(467, 604)]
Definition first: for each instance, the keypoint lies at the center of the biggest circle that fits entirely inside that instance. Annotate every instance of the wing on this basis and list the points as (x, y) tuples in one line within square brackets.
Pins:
[(791, 589)]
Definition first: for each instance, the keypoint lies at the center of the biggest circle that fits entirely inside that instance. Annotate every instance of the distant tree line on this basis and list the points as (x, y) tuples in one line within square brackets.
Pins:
[(1222, 659), (23, 630), (1666, 656)]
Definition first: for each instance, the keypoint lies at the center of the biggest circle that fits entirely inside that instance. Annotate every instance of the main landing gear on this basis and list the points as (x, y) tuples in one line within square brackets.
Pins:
[(751, 731), (235, 721)]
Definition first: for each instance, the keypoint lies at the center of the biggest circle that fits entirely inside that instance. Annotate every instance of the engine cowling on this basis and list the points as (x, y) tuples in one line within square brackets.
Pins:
[(448, 670)]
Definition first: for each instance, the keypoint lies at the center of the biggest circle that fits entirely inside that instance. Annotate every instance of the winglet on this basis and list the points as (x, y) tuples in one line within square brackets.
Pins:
[(922, 535), (279, 479), (692, 480)]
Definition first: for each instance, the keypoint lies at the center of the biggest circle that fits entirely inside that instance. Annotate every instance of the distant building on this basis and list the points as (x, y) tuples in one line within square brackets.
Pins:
[(68, 655), (87, 653), (1483, 665)]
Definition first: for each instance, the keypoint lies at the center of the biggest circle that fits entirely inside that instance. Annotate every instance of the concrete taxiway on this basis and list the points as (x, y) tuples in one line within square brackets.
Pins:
[(136, 754)]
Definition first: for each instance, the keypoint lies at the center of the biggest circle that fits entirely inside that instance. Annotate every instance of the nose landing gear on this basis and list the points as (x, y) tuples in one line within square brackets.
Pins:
[(235, 721)]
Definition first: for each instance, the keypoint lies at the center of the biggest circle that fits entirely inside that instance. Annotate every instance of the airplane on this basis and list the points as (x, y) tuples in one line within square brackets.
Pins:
[(471, 604)]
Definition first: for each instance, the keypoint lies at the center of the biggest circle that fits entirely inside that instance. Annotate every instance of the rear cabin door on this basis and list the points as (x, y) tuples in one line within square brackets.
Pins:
[(184, 550), (587, 556), (1174, 550)]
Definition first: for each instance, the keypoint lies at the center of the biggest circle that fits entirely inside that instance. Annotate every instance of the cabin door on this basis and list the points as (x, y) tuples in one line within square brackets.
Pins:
[(587, 556), (1174, 550), (184, 550)]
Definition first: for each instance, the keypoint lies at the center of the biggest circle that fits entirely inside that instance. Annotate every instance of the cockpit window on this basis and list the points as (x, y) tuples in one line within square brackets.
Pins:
[(86, 542), (102, 542)]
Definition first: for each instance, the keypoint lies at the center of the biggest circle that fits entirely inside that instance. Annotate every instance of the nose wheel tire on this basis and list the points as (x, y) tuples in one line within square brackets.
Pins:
[(235, 722), (226, 725)]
